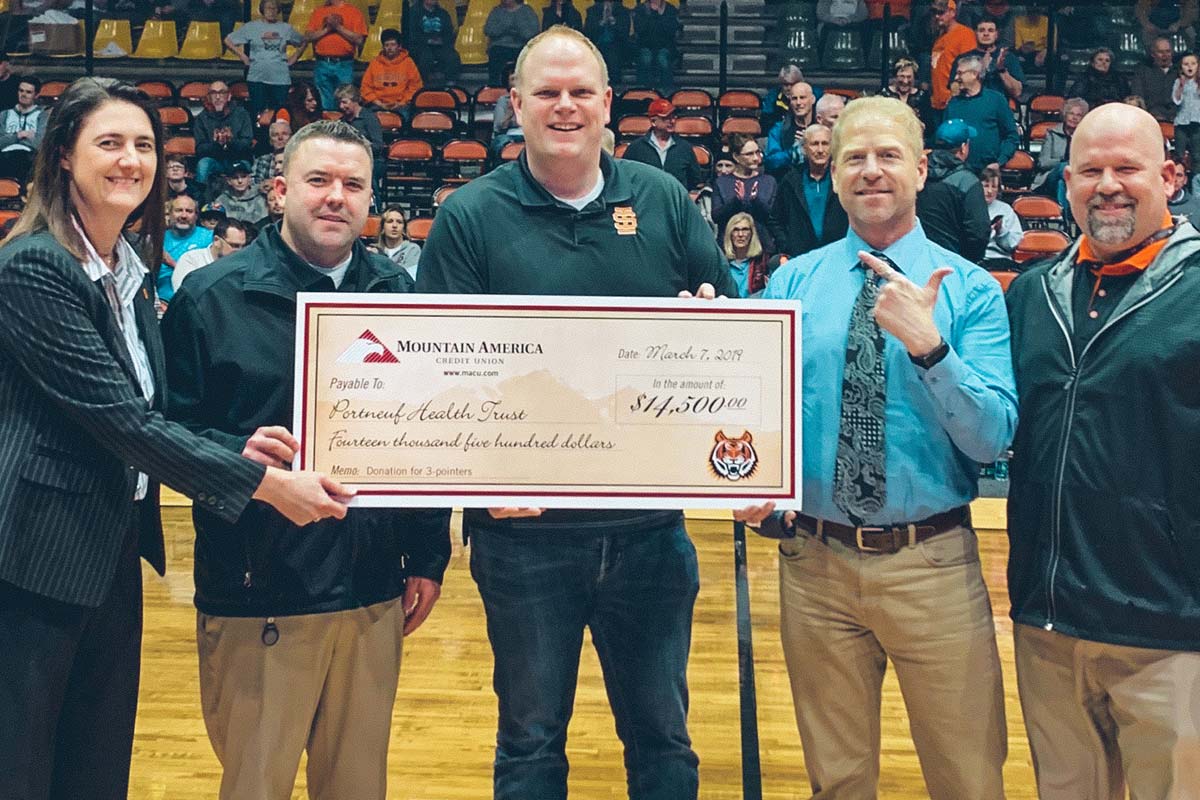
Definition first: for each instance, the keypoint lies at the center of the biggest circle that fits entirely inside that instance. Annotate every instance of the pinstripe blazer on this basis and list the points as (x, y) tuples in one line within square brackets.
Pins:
[(75, 430)]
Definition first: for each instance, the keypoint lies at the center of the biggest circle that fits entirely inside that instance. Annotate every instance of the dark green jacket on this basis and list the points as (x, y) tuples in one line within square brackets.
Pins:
[(229, 336), (1103, 510)]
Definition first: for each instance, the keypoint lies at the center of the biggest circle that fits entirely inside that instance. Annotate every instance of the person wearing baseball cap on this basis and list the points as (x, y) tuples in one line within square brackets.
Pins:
[(242, 198), (952, 207), (659, 147), (954, 39)]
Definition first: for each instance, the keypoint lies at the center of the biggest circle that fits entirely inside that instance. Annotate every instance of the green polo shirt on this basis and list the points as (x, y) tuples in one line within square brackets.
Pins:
[(643, 236)]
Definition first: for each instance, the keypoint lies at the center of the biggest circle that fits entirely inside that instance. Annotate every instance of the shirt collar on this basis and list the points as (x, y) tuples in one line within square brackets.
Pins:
[(530, 193), (1128, 262), (129, 271), (908, 253)]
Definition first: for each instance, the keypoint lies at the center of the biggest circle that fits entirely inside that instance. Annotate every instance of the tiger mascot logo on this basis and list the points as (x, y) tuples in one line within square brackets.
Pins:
[(733, 459)]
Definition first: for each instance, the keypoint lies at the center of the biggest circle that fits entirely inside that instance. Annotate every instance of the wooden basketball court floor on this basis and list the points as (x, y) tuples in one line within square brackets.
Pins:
[(443, 724)]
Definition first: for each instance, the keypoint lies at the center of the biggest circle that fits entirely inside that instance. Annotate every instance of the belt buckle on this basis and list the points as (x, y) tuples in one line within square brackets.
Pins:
[(858, 538)]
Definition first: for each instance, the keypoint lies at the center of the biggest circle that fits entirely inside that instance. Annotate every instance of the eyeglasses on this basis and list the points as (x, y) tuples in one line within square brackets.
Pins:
[(229, 244)]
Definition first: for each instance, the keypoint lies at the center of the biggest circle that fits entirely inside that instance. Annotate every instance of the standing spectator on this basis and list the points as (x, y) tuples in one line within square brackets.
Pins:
[(229, 236), (336, 29), (561, 12), (1100, 83), (262, 46), (655, 34), (224, 134), (784, 139), (839, 15), (775, 99), (21, 131), (303, 105), (508, 27), (608, 27), (1102, 514), (747, 189), (807, 213), (242, 198), (394, 242), (904, 88), (1056, 147), (659, 147), (430, 34), (1031, 30), (1005, 225), (953, 39), (1152, 80), (1186, 96), (999, 12), (264, 167), (957, 220), (987, 111), (747, 259), (1166, 18), (1002, 70), (392, 77), (366, 122), (182, 235), (828, 109)]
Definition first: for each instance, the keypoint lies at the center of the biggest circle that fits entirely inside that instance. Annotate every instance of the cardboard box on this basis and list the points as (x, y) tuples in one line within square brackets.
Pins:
[(55, 40)]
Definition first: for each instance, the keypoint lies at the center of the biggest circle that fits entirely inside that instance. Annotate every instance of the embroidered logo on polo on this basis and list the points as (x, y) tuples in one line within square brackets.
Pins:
[(733, 458), (624, 220), (367, 349)]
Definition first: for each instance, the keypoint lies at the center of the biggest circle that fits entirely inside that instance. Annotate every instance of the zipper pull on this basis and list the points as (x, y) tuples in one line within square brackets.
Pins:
[(1070, 380)]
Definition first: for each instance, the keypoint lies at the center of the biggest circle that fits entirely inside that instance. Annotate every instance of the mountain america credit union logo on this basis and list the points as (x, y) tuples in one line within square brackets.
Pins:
[(367, 349)]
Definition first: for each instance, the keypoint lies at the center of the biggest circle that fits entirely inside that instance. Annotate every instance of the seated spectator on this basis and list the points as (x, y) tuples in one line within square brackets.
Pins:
[(336, 29), (608, 27), (274, 211), (723, 163), (747, 259), (223, 132), (903, 86), (1152, 80), (429, 32), (21, 131), (1183, 203), (178, 181), (956, 219), (1100, 83), (362, 120), (660, 148), (242, 198), (211, 215), (986, 111), (747, 189), (1167, 17), (265, 167), (655, 34), (392, 77), (775, 105), (229, 236), (303, 105), (839, 15), (829, 108), (1006, 225), (505, 128), (182, 235), (784, 139), (1002, 70), (1030, 31), (561, 12), (394, 242), (807, 213), (1056, 147), (508, 27), (1185, 94), (262, 44)]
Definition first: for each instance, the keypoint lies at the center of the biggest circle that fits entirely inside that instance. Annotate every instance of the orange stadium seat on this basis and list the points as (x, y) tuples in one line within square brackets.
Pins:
[(1040, 244)]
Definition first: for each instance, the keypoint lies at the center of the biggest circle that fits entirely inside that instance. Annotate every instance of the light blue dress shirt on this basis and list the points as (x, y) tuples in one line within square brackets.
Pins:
[(940, 423)]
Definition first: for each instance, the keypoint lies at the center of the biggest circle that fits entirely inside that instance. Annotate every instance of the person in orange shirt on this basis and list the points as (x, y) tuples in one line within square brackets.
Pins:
[(955, 39), (336, 29), (392, 77)]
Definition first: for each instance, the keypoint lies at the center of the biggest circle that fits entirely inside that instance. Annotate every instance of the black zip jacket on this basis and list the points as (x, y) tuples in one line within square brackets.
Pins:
[(1103, 510), (229, 337)]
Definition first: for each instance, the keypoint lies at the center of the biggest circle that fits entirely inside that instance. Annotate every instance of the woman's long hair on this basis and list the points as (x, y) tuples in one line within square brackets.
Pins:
[(49, 206), (297, 113), (399, 209)]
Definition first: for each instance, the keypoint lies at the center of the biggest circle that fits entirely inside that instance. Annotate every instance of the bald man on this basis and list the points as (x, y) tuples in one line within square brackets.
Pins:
[(1103, 512)]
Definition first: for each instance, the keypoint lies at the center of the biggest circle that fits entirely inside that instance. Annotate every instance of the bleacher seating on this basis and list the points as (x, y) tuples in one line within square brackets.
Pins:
[(202, 42), (158, 40)]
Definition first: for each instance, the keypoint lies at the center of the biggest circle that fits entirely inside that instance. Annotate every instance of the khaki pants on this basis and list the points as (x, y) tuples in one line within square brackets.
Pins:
[(844, 613), (1101, 717), (326, 686)]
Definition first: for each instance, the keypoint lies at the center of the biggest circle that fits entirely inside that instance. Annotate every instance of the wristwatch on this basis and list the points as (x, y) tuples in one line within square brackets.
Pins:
[(931, 358)]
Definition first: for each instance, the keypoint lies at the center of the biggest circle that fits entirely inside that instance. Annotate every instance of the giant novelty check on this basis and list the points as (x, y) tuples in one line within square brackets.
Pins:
[(420, 400)]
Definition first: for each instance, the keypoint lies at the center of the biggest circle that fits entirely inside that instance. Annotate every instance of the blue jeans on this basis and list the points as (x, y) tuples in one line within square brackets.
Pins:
[(635, 590), (328, 76), (654, 70)]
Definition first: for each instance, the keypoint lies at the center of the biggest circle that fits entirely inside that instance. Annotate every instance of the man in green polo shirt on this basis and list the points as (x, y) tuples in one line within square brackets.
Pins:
[(565, 219)]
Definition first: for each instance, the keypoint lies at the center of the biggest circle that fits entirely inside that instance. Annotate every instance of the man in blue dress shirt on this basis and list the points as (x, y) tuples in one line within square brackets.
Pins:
[(908, 387)]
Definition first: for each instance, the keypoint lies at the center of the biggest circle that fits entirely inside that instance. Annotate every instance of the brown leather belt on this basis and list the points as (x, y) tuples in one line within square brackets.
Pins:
[(885, 539)]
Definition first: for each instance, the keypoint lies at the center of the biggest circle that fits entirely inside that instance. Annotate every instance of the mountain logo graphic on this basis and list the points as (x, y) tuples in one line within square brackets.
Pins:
[(367, 349)]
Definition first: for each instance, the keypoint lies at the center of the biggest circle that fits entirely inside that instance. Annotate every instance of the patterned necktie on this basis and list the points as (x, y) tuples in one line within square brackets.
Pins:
[(860, 476)]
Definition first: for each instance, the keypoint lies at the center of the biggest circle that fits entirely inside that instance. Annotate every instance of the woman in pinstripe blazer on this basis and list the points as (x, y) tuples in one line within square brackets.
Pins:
[(83, 444)]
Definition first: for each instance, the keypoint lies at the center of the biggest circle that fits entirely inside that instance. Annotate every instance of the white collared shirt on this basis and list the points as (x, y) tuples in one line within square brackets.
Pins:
[(120, 285)]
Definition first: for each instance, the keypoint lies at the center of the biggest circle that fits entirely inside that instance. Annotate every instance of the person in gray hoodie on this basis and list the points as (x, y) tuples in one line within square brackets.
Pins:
[(242, 198)]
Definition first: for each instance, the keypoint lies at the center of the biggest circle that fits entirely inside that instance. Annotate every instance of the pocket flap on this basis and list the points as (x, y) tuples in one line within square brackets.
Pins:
[(69, 476)]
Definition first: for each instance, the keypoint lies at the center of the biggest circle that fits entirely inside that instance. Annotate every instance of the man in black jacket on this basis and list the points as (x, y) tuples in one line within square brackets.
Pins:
[(807, 213), (951, 207), (660, 148), (224, 134), (1103, 513), (300, 628)]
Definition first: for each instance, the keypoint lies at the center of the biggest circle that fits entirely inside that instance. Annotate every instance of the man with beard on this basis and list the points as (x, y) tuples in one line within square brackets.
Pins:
[(1103, 514), (183, 235)]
